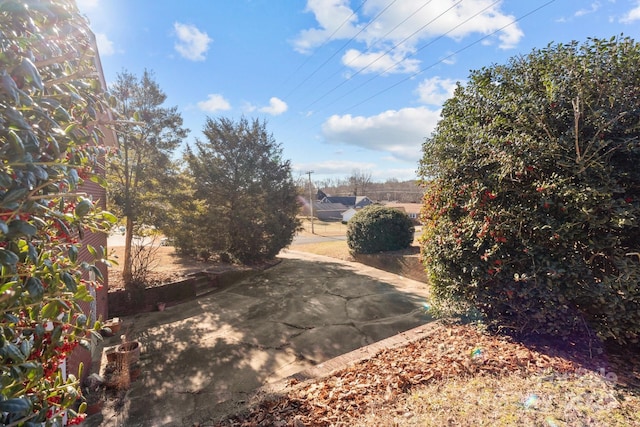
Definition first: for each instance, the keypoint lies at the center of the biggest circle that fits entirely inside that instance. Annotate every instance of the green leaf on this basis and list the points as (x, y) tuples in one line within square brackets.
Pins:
[(73, 253), (92, 251), (109, 217), (35, 288), (62, 226), (30, 72), (100, 180), (70, 128), (8, 258), (73, 178), (19, 406), (69, 281), (50, 103), (21, 228), (39, 172), (82, 294), (5, 180), (9, 86), (32, 252), (81, 320), (97, 272), (50, 310), (14, 195), (16, 143), (4, 229), (62, 115), (83, 208), (25, 347), (31, 369), (11, 351), (15, 119)]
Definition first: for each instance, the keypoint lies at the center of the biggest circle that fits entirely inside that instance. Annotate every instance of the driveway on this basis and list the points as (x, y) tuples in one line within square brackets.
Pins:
[(202, 356)]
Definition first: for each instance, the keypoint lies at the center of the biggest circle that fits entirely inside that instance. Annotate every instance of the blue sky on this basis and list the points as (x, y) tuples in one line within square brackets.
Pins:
[(344, 85)]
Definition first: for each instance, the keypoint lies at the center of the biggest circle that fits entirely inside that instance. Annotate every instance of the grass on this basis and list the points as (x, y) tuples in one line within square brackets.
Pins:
[(323, 228), (333, 249), (580, 400)]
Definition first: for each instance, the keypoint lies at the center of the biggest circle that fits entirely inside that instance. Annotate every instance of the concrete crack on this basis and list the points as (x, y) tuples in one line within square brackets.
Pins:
[(291, 325)]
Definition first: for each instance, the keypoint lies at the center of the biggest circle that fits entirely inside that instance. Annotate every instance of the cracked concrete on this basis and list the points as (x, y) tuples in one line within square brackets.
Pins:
[(200, 356)]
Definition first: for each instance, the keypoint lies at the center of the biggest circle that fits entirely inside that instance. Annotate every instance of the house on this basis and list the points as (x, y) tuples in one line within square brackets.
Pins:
[(356, 202), (411, 209), (98, 309), (348, 214), (327, 211), (339, 205), (331, 208)]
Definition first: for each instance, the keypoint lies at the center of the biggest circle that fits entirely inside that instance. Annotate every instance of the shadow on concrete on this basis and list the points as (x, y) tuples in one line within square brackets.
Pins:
[(205, 357)]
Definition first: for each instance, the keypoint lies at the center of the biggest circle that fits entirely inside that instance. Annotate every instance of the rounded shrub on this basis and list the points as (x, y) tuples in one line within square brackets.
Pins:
[(379, 229), (532, 209)]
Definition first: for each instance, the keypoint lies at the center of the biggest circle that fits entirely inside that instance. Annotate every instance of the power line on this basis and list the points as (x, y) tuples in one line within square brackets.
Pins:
[(329, 38), (386, 52), (340, 49), (374, 43), (447, 57)]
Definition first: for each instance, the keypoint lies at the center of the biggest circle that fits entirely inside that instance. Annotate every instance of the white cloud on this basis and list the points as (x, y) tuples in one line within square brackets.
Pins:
[(594, 8), (248, 107), (379, 62), (632, 16), (405, 27), (380, 170), (334, 17), (333, 167), (105, 46), (436, 90), (398, 133), (276, 107), (192, 43), (215, 102)]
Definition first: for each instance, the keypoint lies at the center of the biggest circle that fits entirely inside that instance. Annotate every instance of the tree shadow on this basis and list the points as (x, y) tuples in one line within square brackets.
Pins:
[(207, 356)]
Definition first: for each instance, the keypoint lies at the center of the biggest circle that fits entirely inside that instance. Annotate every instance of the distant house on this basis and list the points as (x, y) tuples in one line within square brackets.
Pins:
[(348, 214), (356, 202), (411, 209), (320, 195), (328, 211), (331, 208)]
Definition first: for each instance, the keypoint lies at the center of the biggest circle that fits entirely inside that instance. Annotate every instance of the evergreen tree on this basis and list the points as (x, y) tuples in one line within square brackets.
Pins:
[(246, 187), (147, 137)]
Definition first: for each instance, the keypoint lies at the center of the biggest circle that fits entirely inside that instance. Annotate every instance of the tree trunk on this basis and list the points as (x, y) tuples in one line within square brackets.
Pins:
[(127, 273)]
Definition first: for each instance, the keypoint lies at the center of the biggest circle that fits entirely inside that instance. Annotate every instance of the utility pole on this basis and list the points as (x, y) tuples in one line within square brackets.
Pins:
[(311, 201)]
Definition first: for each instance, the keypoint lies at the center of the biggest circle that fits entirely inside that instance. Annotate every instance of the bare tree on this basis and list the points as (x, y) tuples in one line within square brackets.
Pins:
[(359, 181)]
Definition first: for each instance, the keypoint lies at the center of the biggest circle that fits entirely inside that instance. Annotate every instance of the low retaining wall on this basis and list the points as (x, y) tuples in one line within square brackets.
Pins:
[(123, 302), (404, 265)]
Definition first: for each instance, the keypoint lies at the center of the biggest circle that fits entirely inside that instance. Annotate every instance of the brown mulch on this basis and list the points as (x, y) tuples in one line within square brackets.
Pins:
[(167, 266), (451, 351)]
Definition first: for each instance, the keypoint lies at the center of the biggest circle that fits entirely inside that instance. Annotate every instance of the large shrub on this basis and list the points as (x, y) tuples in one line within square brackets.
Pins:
[(245, 203), (50, 102), (379, 229), (533, 197)]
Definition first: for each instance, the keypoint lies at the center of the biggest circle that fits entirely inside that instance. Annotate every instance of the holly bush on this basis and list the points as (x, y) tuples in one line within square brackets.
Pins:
[(379, 229), (50, 106), (532, 205)]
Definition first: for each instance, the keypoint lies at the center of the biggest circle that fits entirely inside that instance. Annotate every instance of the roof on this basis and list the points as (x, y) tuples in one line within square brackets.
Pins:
[(325, 206), (344, 200), (406, 207)]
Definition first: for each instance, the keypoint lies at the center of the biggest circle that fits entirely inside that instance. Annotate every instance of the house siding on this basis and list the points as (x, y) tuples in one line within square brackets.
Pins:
[(98, 309)]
